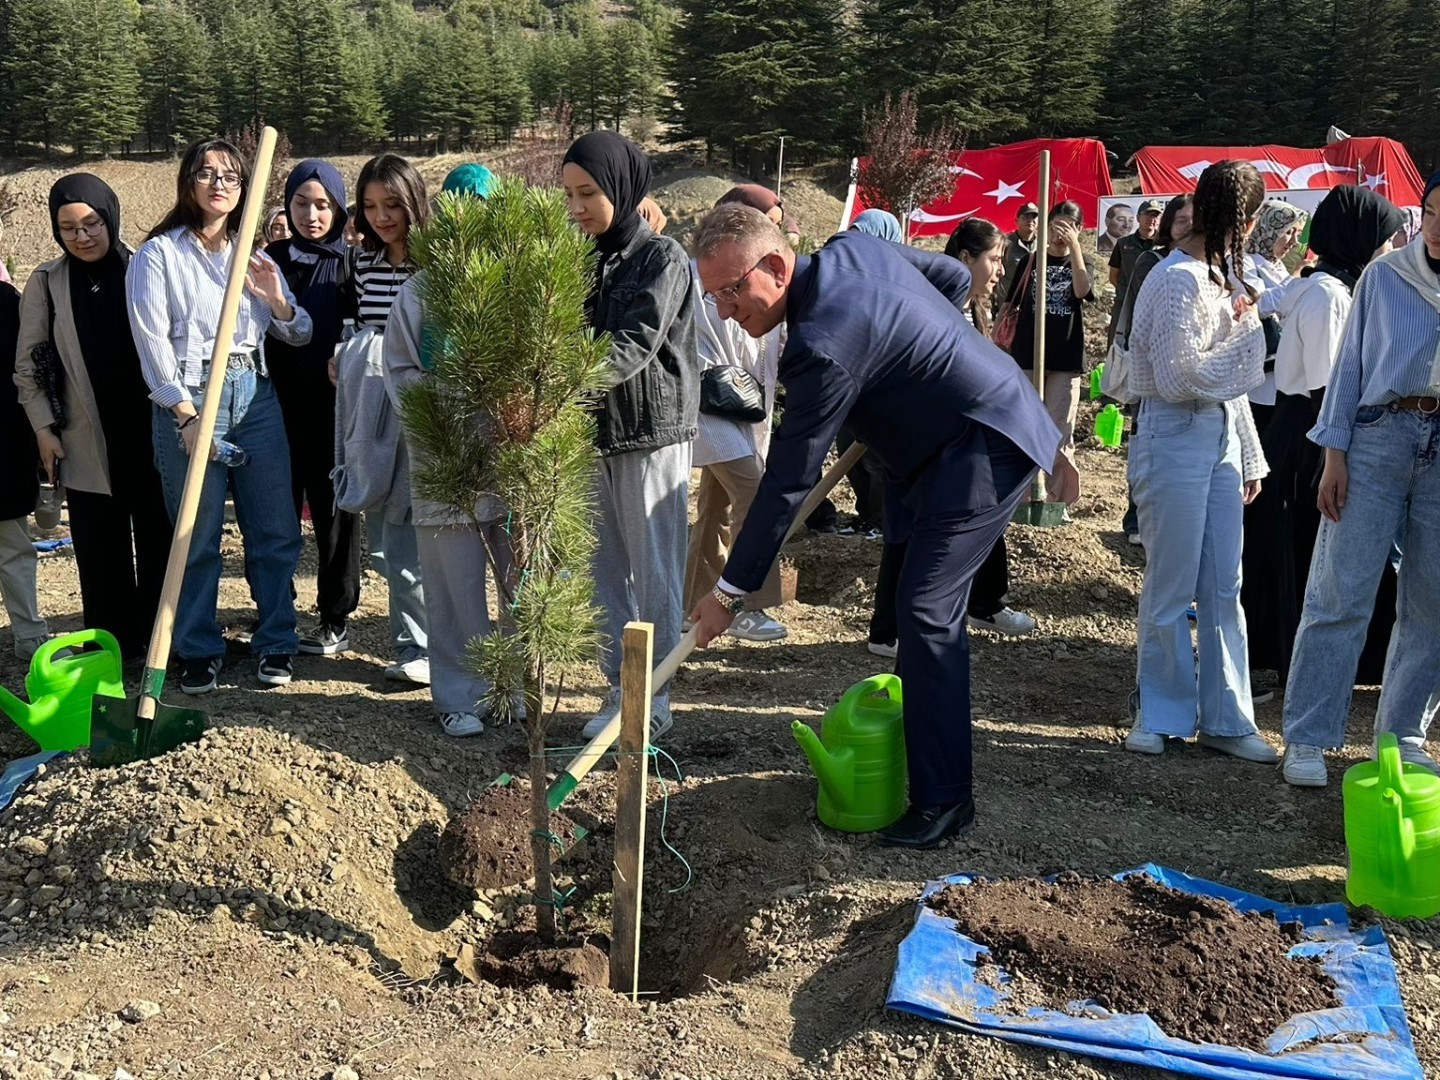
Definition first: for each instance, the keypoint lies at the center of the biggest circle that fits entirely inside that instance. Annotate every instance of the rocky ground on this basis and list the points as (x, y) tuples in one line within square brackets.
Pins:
[(267, 903)]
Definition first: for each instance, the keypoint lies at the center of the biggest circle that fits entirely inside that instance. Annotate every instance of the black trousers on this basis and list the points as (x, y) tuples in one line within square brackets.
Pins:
[(122, 542), (866, 480), (948, 543), (307, 403), (992, 582)]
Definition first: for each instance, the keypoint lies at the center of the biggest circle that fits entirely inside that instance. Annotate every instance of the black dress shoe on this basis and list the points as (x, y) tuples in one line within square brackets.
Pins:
[(926, 826)]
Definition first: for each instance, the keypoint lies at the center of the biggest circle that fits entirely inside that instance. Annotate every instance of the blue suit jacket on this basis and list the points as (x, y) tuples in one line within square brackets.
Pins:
[(878, 341)]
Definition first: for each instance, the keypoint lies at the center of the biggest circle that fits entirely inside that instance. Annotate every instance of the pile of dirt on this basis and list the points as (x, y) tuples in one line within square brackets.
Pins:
[(251, 825), (1202, 970), (487, 846)]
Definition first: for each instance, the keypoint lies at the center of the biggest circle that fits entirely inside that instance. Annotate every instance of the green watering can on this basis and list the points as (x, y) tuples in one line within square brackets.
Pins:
[(859, 757), (1097, 379), (1110, 425), (60, 689), (1392, 831)]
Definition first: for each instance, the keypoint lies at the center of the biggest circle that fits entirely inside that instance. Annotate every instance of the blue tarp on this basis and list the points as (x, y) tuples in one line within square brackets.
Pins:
[(935, 978), (20, 770)]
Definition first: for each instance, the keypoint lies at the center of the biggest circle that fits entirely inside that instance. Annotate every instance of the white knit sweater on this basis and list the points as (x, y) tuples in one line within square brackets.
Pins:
[(1186, 345)]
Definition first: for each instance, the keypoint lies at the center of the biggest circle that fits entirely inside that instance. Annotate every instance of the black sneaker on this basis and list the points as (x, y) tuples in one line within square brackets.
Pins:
[(276, 670), (327, 639), (199, 676)]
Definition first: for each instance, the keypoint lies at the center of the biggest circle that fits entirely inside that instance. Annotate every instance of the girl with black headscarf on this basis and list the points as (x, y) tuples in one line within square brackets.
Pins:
[(1352, 225), (101, 448), (314, 261), (645, 423)]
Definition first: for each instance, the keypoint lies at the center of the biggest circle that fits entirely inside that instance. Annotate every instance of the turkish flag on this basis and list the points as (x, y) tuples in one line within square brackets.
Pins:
[(993, 184), (1382, 165)]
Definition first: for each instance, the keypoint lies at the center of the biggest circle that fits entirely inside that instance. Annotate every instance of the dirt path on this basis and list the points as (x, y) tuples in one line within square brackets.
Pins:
[(273, 890)]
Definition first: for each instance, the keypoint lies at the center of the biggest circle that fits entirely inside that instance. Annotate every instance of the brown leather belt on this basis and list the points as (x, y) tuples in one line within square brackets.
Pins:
[(1425, 404)]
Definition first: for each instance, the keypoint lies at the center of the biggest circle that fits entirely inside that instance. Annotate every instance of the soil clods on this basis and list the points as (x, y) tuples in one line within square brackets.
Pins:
[(487, 846), (1202, 971)]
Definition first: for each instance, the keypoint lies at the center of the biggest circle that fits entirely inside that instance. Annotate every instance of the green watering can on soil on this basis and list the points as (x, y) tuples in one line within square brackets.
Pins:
[(1392, 831), (1097, 379), (1110, 425), (60, 688), (859, 757)]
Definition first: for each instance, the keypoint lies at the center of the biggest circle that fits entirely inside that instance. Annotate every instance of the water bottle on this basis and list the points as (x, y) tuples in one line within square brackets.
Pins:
[(228, 454), (47, 506)]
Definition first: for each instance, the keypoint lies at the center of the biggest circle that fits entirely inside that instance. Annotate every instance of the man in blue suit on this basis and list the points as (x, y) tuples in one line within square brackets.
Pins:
[(877, 340)]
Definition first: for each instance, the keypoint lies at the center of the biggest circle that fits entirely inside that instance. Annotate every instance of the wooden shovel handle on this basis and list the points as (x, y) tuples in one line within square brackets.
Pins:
[(159, 654), (597, 747)]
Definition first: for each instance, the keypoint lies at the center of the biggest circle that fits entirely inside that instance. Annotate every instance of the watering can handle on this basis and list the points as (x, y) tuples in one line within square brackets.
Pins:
[(1395, 858), (44, 656), (859, 695), (1392, 765)]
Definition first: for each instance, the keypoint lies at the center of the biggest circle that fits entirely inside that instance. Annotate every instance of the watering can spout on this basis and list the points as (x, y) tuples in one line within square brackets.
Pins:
[(25, 715), (835, 772)]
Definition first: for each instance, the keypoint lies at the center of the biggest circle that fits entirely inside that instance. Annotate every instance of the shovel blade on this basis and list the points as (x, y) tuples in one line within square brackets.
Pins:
[(119, 735), (1043, 515)]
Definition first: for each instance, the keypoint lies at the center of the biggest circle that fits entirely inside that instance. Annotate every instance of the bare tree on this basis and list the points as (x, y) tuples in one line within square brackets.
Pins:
[(903, 170)]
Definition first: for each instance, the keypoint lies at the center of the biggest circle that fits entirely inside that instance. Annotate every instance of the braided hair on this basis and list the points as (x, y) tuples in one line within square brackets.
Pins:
[(1227, 198)]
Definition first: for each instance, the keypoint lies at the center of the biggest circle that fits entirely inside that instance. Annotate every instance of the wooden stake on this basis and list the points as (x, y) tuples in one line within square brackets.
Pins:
[(632, 773), (1042, 294)]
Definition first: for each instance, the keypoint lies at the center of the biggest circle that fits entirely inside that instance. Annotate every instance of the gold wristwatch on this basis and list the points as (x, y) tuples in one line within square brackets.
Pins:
[(731, 603)]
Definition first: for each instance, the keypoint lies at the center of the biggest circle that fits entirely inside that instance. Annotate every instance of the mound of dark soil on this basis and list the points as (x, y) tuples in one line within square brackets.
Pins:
[(1200, 969), (518, 958), (488, 846)]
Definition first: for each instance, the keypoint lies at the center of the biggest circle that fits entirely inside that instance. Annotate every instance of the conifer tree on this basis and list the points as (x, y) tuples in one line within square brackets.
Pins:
[(1064, 78), (178, 85), (99, 110), (505, 411)]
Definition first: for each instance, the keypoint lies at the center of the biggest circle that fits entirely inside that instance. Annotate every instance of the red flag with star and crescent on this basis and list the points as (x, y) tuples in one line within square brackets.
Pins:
[(993, 184)]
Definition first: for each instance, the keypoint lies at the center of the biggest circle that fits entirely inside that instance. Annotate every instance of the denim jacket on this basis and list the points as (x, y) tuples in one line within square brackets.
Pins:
[(647, 307)]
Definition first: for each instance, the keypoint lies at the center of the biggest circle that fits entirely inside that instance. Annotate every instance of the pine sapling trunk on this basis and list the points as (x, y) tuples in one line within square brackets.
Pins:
[(539, 807)]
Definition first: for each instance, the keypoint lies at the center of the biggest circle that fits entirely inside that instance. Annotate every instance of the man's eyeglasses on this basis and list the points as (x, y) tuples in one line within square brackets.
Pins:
[(89, 228), (215, 178), (731, 294)]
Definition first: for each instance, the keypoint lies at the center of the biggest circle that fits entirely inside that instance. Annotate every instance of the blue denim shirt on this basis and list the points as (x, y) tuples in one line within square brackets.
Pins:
[(1391, 346)]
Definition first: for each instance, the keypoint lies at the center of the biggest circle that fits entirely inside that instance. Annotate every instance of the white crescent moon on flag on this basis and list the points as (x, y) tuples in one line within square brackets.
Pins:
[(1301, 177), (921, 215), (960, 170)]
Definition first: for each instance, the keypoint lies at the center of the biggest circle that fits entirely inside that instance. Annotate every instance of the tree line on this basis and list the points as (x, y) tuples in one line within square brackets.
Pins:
[(106, 76), (113, 76)]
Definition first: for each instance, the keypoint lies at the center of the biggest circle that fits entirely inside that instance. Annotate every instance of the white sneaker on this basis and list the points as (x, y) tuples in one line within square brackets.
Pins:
[(889, 649), (1007, 621), (459, 725), (757, 626), (1245, 747), (609, 709), (1144, 742), (660, 719), (1135, 540), (412, 671), (1304, 766)]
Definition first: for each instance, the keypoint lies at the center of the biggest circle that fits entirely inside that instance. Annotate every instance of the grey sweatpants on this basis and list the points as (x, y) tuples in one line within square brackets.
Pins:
[(17, 584), (453, 562), (640, 561)]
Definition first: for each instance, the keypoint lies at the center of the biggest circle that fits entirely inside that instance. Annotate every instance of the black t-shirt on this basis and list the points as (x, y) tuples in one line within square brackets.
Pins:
[(1064, 320)]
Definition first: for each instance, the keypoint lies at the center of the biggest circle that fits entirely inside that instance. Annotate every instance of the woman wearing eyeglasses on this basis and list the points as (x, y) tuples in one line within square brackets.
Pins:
[(99, 448), (645, 423), (176, 285)]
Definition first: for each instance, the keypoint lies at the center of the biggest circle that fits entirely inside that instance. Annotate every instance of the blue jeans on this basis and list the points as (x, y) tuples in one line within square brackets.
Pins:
[(1394, 490), (395, 554), (1189, 495), (250, 418)]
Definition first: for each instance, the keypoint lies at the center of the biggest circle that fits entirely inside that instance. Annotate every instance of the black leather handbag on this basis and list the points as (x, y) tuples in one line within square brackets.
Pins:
[(732, 393)]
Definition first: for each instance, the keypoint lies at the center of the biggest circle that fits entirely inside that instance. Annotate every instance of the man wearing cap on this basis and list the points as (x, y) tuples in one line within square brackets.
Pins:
[(1019, 246), (1128, 250), (878, 340)]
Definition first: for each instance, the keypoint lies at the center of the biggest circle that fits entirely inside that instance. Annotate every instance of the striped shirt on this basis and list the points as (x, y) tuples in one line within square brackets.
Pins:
[(175, 288), (1391, 347), (377, 283)]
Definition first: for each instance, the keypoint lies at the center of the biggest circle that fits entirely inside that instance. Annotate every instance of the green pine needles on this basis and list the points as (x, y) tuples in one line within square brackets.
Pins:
[(506, 413), (515, 369)]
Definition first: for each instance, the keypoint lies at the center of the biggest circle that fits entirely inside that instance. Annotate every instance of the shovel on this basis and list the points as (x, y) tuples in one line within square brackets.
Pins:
[(596, 748), (128, 729)]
